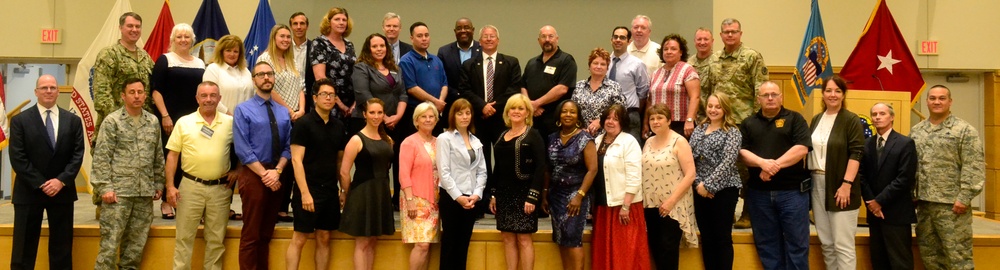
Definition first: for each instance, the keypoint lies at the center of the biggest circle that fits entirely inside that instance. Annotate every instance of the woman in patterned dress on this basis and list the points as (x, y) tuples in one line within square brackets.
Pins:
[(675, 84), (596, 93), (667, 175), (333, 57), (418, 180), (715, 144), (288, 83), (365, 198), (290, 89), (520, 172), (574, 164)]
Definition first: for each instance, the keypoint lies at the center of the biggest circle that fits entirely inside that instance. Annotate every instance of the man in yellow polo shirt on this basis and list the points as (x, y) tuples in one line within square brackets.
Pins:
[(204, 138)]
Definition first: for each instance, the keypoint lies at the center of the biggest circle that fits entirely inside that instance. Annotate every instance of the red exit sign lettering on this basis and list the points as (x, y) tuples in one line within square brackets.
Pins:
[(51, 36), (928, 47)]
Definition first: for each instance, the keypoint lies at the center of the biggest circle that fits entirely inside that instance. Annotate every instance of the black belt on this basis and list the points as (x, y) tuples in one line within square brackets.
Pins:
[(633, 109), (221, 181)]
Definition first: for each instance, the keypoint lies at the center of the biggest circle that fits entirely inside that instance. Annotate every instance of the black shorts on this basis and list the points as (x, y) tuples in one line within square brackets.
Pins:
[(327, 214)]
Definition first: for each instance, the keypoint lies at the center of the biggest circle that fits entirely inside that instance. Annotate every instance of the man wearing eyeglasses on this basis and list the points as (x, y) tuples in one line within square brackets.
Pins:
[(629, 72), (775, 143), (736, 71), (261, 130), (46, 150), (204, 139)]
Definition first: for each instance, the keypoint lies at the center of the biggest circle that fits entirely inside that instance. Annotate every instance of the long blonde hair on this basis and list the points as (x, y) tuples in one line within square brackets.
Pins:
[(288, 55), (728, 119)]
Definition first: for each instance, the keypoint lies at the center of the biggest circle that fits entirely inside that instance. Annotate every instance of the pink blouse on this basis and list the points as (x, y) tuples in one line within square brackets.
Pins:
[(667, 87), (417, 168)]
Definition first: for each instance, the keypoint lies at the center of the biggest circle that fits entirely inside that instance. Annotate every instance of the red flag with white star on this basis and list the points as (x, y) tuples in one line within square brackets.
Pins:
[(881, 60)]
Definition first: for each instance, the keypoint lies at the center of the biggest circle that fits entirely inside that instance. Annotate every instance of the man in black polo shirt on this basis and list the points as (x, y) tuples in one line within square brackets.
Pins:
[(775, 143), (548, 79), (316, 200)]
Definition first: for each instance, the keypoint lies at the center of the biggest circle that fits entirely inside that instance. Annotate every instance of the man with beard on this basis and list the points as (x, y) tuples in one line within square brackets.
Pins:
[(629, 72), (261, 132), (453, 55), (548, 79), (390, 27)]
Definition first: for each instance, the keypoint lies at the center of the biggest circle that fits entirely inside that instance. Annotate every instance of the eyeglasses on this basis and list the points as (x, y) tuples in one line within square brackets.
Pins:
[(264, 74), (619, 37), (731, 32), (47, 88), (769, 95), (327, 95)]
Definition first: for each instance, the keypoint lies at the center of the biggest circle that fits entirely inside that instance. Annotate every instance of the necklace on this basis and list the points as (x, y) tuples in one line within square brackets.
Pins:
[(570, 134)]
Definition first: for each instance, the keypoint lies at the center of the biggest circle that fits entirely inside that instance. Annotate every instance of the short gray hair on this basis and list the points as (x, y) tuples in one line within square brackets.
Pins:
[(181, 28), (729, 21), (644, 17), (489, 26), (892, 111), (390, 15)]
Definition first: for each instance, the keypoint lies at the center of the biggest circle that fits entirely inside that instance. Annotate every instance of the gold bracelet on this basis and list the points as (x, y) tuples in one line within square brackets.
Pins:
[(582, 194)]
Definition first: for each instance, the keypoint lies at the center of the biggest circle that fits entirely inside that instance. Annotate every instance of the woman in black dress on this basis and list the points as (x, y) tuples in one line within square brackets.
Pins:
[(520, 171), (174, 81), (365, 198)]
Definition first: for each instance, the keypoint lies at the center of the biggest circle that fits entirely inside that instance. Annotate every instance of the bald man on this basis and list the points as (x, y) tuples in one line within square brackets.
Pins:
[(46, 150), (548, 79)]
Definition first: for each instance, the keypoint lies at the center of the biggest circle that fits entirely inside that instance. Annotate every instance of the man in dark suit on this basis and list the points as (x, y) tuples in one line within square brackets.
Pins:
[(887, 178), (390, 27), (46, 150), (489, 98), (453, 55)]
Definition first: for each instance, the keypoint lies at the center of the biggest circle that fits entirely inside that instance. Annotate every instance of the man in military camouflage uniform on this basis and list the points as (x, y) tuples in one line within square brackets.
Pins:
[(115, 64), (128, 173), (950, 172), (702, 60), (736, 71)]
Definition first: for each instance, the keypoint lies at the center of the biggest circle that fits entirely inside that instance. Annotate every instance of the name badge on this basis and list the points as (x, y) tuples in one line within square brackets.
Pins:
[(207, 132), (780, 123), (550, 70)]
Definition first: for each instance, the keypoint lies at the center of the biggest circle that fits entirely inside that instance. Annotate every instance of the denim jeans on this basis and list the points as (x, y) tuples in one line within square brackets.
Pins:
[(780, 221)]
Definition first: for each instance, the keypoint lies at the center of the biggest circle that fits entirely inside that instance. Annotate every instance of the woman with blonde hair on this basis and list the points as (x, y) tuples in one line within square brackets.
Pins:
[(715, 145), (418, 180), (333, 57), (288, 84), (174, 81), (520, 166), (229, 70)]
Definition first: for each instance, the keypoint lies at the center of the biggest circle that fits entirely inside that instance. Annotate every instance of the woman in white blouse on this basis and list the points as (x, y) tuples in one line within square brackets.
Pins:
[(229, 71), (462, 166)]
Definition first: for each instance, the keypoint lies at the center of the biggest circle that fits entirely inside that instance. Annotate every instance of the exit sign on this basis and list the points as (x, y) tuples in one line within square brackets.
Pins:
[(51, 36), (928, 47)]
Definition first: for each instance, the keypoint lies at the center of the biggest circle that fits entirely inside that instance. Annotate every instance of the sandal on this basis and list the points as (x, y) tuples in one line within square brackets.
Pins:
[(170, 215), (235, 216)]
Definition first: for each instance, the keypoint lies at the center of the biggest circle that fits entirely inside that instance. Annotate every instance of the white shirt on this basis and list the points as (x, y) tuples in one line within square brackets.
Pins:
[(622, 169), (395, 51), (647, 55), (486, 63), (820, 140), (55, 119), (300, 56), (459, 174), (235, 84)]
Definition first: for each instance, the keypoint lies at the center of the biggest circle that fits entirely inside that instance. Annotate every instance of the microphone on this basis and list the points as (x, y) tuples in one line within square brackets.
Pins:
[(879, 82)]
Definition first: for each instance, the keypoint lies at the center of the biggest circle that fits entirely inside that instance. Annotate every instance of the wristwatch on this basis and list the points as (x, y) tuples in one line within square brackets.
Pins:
[(690, 119)]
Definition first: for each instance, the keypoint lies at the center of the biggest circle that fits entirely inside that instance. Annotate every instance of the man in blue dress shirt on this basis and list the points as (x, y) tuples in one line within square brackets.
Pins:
[(261, 132)]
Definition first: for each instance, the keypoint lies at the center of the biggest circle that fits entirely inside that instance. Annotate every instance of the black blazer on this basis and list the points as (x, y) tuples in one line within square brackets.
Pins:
[(35, 161), (889, 179), (403, 49), (506, 82), (453, 65)]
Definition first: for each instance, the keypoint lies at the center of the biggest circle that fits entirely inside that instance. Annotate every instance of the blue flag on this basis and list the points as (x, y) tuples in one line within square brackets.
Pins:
[(813, 67), (209, 26), (260, 32)]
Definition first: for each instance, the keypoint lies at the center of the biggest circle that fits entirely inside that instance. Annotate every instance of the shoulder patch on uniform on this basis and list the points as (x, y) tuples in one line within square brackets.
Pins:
[(764, 70)]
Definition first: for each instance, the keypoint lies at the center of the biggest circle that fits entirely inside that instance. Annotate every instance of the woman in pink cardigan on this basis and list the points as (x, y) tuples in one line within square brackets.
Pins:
[(418, 181)]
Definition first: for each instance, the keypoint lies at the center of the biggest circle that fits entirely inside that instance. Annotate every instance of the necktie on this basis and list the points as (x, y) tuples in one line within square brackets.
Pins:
[(614, 68), (275, 144), (881, 144), (50, 129), (489, 79)]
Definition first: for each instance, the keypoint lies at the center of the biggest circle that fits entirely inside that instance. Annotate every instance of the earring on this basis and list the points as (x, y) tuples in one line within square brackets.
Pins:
[(578, 125), (559, 124)]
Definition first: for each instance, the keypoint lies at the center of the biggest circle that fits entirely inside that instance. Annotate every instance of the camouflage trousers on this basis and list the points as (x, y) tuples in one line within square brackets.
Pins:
[(124, 228), (944, 238)]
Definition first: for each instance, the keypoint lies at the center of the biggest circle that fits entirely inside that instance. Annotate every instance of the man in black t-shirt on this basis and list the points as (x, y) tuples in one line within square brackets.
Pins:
[(548, 79), (775, 143)]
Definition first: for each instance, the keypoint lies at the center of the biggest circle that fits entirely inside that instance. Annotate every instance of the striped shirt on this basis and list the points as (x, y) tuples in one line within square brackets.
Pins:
[(667, 87)]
